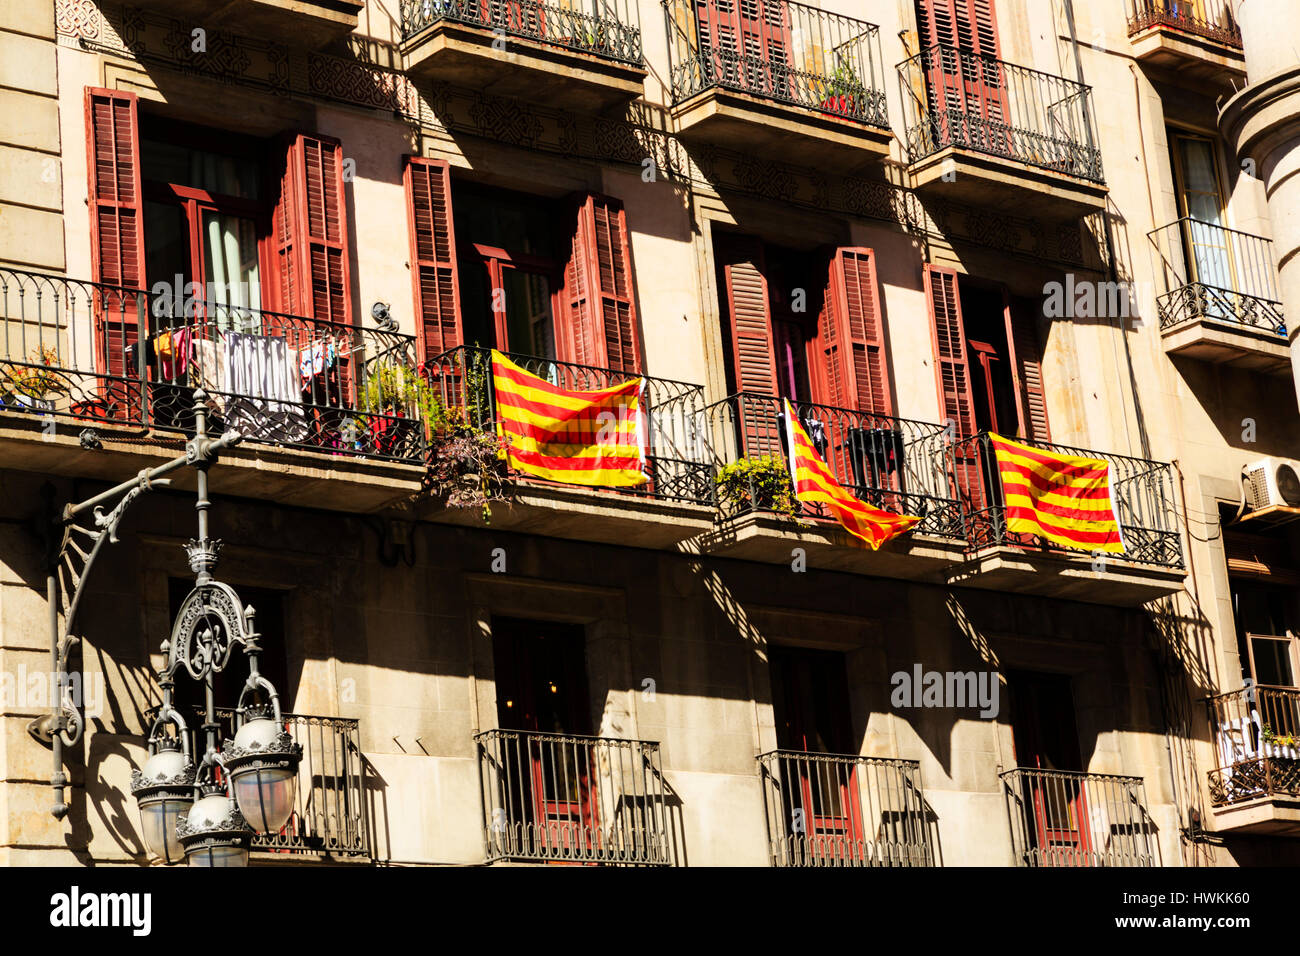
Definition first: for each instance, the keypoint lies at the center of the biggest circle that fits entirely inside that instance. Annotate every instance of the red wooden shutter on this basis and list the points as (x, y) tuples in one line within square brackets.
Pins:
[(1027, 370), (951, 364), (752, 351), (850, 335), (433, 256), (969, 26), (313, 273), (600, 290), (116, 229)]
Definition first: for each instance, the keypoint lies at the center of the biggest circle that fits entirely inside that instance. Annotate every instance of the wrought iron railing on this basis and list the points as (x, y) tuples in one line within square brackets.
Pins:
[(838, 810), (780, 51), (1212, 272), (1211, 19), (1256, 734), (1142, 492), (70, 348), (953, 97), (1078, 819), (574, 799), (895, 464), (606, 28), (463, 378), (288, 380), (329, 809)]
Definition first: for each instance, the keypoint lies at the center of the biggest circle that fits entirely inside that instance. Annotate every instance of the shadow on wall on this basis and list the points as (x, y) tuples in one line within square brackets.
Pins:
[(1254, 413)]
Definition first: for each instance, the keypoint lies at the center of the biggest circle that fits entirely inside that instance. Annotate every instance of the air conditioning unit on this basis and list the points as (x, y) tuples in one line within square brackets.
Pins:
[(1272, 481)]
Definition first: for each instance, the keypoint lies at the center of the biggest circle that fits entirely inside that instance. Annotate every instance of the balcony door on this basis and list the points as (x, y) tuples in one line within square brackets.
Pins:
[(541, 685), (1207, 244), (823, 802), (965, 80), (1046, 738), (745, 44)]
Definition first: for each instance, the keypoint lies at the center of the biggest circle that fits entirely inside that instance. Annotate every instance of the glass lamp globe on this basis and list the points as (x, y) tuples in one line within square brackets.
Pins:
[(163, 789), (262, 762), (214, 833)]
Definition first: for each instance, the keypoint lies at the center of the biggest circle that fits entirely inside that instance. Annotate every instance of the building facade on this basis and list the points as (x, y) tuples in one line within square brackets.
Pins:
[(921, 221)]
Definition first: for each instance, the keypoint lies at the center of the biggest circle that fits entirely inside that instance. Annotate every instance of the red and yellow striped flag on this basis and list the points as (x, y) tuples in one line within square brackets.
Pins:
[(814, 484), (1063, 498), (576, 437)]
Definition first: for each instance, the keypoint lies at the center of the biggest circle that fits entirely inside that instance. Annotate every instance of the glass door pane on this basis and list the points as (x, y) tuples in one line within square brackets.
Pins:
[(1203, 203), (230, 264)]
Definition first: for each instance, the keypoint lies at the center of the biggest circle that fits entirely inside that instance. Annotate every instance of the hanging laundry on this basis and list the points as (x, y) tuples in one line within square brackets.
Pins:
[(207, 370), (265, 400)]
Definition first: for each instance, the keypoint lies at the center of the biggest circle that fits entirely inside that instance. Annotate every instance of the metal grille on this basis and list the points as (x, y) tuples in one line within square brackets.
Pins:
[(953, 97), (463, 378), (572, 799), (605, 28), (1219, 274), (894, 464), (1211, 19), (779, 51), (1078, 819), (1256, 735), (835, 810), (1142, 491)]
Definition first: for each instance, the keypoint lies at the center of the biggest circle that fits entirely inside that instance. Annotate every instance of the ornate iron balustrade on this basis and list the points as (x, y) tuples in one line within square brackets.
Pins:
[(463, 378), (70, 349), (573, 799), (605, 28), (329, 810), (956, 98), (895, 464), (781, 51), (837, 810), (1217, 273), (1078, 819), (1256, 734), (287, 380), (1211, 19), (1142, 492)]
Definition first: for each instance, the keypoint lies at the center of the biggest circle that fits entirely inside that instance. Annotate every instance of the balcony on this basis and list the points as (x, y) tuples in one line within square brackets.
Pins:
[(1199, 39), (1255, 785), (835, 810), (894, 464), (676, 503), (1223, 304), (989, 133), (311, 24), (328, 822), (1143, 496), (577, 54), (782, 79), (1078, 819), (73, 352), (560, 798)]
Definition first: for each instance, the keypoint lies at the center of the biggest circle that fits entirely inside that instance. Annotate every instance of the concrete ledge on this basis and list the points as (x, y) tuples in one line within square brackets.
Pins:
[(1007, 185), (771, 540), (1189, 55), (526, 69), (1068, 577), (756, 125), (294, 23), (1229, 343), (585, 514), (1278, 815)]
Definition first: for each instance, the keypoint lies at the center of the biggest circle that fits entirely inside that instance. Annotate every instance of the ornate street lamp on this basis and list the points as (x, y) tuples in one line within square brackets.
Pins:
[(208, 813)]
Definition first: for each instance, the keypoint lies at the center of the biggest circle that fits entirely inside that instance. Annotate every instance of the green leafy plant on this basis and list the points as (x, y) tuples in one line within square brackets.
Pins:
[(1280, 740), (467, 467), (761, 483), (37, 378)]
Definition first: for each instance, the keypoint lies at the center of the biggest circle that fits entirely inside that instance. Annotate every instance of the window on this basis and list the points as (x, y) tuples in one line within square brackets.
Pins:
[(1264, 581), (1207, 243)]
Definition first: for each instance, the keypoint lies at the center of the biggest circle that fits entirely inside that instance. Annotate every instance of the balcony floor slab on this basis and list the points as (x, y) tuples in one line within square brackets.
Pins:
[(1066, 577), (526, 69), (1229, 343), (1189, 56), (310, 24), (1275, 815), (1005, 185)]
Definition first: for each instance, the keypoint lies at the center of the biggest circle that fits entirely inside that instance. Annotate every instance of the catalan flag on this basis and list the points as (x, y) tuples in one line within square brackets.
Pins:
[(576, 437), (1063, 498), (814, 484)]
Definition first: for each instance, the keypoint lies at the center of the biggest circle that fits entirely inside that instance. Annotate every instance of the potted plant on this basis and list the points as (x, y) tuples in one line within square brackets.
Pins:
[(28, 385), (395, 400), (467, 466), (756, 483), (843, 92)]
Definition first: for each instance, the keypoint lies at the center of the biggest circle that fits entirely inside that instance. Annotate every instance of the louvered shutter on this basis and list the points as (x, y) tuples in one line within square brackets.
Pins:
[(718, 23), (433, 256), (850, 338), (313, 274), (952, 368), (974, 86), (117, 240), (753, 355), (600, 321), (1027, 371)]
